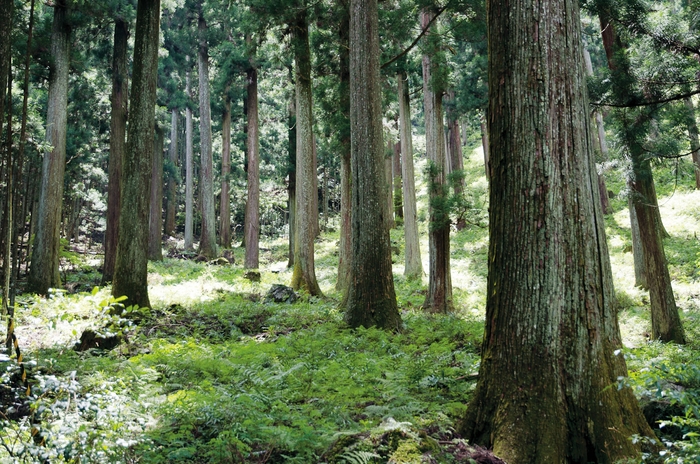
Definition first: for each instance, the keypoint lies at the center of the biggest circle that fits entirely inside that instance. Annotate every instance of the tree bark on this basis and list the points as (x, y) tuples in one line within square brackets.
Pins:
[(252, 207), (693, 136), (371, 298), (454, 149), (388, 183), (117, 143), (225, 208), (640, 271), (398, 181), (304, 273), (6, 12), (131, 267), (43, 273), (413, 266), (485, 148), (439, 297), (547, 389), (171, 187), (189, 164), (155, 223), (292, 186), (207, 241)]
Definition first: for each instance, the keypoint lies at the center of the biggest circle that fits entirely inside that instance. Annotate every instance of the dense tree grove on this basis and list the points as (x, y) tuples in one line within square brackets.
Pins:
[(140, 132)]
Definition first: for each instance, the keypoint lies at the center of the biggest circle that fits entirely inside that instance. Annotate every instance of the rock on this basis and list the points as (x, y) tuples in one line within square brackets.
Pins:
[(281, 294), (89, 339)]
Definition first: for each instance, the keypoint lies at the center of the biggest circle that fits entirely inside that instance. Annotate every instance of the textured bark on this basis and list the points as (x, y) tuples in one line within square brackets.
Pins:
[(693, 136), (171, 186), (413, 266), (207, 241), (547, 389), (189, 165), (398, 181), (388, 182), (252, 206), (314, 179), (439, 296), (485, 147), (131, 267), (345, 245), (225, 208), (306, 221), (117, 144), (665, 320), (454, 150), (371, 298), (292, 187), (155, 222), (6, 11), (43, 273), (640, 271)]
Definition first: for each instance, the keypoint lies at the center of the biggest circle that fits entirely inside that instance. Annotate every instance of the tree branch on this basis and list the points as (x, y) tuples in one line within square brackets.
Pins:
[(678, 96), (415, 42)]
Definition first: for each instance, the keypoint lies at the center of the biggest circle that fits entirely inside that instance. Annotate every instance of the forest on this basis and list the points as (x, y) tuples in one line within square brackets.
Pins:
[(352, 231)]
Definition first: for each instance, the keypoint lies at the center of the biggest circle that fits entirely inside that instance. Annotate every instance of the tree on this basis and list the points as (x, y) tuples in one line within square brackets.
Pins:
[(155, 222), (131, 267), (117, 143), (252, 207), (6, 10), (304, 274), (171, 185), (43, 273), (414, 267), (225, 207), (371, 298), (548, 383), (207, 241), (439, 297), (189, 162)]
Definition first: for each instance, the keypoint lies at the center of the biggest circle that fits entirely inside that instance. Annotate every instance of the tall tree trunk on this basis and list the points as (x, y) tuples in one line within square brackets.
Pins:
[(304, 273), (314, 179), (640, 271), (694, 141), (454, 149), (8, 216), (225, 208), (439, 297), (131, 267), (6, 12), (388, 182), (398, 181), (43, 273), (485, 147), (171, 187), (252, 206), (345, 245), (207, 241), (155, 223), (371, 298), (117, 143), (547, 383), (413, 267), (189, 165), (665, 320), (292, 172)]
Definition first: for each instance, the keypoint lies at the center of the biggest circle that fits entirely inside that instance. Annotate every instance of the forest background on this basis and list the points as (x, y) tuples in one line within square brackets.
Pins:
[(205, 365)]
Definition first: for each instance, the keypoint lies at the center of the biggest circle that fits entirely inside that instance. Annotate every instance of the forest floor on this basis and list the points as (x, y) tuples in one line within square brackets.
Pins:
[(217, 373)]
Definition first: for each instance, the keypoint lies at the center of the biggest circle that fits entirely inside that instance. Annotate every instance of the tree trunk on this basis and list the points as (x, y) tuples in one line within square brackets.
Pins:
[(252, 206), (171, 190), (547, 389), (292, 187), (117, 144), (398, 181), (155, 238), (345, 245), (485, 148), (371, 298), (388, 182), (131, 267), (693, 135), (640, 271), (43, 273), (207, 241), (225, 208), (314, 179), (6, 11), (189, 165), (9, 192), (439, 297), (665, 320), (454, 149), (304, 273), (413, 267)]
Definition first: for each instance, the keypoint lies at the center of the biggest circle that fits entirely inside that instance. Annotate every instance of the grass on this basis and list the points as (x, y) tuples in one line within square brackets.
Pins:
[(215, 373)]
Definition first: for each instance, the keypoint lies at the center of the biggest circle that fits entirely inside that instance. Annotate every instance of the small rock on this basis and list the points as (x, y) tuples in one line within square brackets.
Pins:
[(281, 294)]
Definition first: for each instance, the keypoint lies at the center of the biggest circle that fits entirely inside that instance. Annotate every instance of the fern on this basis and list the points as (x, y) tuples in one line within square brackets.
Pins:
[(358, 457)]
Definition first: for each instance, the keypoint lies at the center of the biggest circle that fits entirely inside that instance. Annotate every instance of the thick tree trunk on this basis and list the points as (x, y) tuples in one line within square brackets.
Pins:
[(252, 206), (155, 223), (117, 144), (304, 273), (189, 166), (666, 323), (43, 273), (398, 181), (171, 187), (413, 266), (131, 267), (345, 245), (439, 297), (371, 298), (207, 241), (693, 136), (225, 208), (547, 389)]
